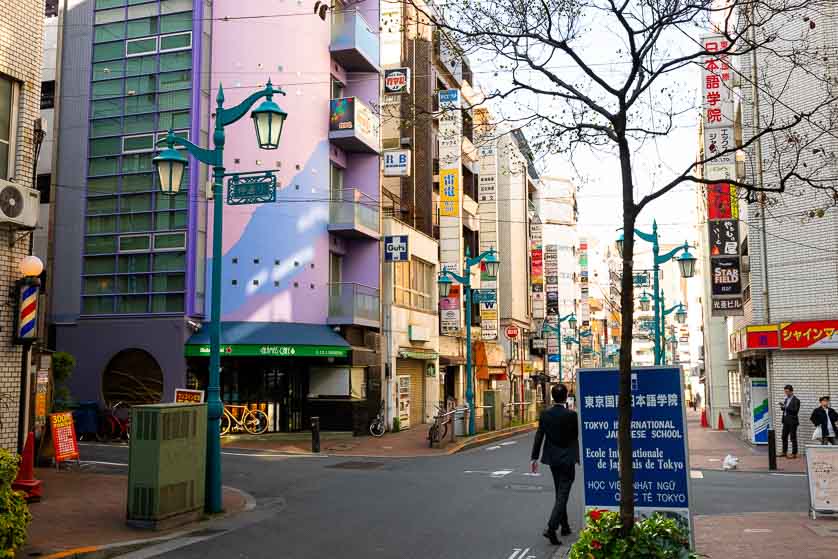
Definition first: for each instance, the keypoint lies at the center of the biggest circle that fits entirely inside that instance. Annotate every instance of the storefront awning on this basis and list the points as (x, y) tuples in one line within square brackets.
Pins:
[(425, 355), (267, 339)]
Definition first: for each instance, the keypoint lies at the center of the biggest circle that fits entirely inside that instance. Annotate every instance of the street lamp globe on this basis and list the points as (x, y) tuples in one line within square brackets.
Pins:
[(572, 321), (645, 302), (268, 119), (492, 263), (687, 264), (619, 243), (170, 165), (681, 315), (31, 266), (568, 344), (443, 282)]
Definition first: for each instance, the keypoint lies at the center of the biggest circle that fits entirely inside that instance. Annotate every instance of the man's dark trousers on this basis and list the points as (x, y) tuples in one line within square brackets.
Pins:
[(563, 476), (789, 432)]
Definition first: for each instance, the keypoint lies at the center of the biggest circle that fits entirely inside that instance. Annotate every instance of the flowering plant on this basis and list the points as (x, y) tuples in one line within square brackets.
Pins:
[(657, 537)]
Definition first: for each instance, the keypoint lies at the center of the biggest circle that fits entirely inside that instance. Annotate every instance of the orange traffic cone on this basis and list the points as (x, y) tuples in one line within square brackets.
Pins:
[(26, 481), (721, 423), (704, 422)]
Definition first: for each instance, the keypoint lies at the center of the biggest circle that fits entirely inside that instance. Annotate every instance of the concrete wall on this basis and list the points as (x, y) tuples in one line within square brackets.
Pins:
[(512, 232)]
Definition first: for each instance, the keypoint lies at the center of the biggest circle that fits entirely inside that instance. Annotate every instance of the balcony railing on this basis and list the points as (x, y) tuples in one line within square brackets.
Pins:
[(354, 42), (354, 304), (354, 214)]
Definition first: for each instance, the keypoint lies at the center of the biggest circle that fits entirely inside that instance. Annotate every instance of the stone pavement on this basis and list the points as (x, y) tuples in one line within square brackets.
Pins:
[(708, 448), (410, 443), (766, 535), (83, 511)]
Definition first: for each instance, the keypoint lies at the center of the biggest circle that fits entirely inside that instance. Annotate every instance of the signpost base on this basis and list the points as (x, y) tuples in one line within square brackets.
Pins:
[(772, 450)]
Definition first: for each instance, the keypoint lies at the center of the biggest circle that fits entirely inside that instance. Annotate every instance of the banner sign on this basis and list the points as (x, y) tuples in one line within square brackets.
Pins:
[(724, 237), (187, 396), (397, 81), (537, 269), (64, 436), (822, 473), (41, 389), (717, 84), (716, 141), (759, 410), (812, 334), (725, 277), (449, 194), (449, 310), (659, 441)]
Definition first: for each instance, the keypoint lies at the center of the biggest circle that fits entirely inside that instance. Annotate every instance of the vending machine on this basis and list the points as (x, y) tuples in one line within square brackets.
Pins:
[(404, 401), (755, 409)]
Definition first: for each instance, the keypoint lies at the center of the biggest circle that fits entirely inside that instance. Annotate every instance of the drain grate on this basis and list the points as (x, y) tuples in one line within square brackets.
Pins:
[(356, 465)]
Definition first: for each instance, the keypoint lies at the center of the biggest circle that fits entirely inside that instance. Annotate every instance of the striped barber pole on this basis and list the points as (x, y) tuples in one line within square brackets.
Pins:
[(28, 313)]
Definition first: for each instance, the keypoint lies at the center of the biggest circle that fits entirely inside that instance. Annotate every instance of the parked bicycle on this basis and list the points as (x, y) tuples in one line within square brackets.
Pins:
[(377, 427), (254, 422), (114, 425), (439, 428)]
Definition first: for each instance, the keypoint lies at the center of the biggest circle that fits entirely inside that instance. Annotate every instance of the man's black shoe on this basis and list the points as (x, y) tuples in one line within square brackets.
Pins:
[(551, 535), (566, 531)]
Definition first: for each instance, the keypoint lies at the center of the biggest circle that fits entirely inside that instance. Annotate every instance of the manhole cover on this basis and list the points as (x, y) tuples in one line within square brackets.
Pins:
[(523, 487), (355, 465)]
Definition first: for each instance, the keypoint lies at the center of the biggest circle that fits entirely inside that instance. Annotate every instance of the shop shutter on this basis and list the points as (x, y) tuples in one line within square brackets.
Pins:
[(416, 371)]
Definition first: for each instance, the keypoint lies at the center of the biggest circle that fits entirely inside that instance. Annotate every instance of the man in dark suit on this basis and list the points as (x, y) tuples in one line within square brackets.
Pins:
[(558, 430), (790, 407), (825, 417)]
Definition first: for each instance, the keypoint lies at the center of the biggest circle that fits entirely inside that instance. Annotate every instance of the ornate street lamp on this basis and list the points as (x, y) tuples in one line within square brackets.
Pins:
[(170, 165), (686, 262), (645, 302), (268, 119), (619, 242), (443, 283), (681, 314)]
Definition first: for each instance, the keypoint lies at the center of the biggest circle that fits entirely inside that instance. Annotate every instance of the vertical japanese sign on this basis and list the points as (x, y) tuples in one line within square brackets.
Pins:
[(64, 437), (659, 441), (584, 309), (551, 287), (449, 192), (450, 163), (537, 268), (487, 210), (449, 311), (41, 389), (718, 113)]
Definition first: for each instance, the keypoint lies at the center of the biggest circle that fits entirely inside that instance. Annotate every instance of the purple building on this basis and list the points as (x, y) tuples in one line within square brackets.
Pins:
[(300, 291)]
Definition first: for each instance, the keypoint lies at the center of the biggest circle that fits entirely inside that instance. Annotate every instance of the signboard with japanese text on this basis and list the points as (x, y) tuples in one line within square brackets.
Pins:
[(41, 389), (396, 162), (717, 84), (396, 248), (724, 237), (724, 276), (719, 141), (811, 334), (822, 473), (722, 202), (188, 396), (512, 332), (733, 306), (449, 311), (659, 441), (537, 269), (449, 192), (762, 337), (489, 320), (396, 81), (64, 436)]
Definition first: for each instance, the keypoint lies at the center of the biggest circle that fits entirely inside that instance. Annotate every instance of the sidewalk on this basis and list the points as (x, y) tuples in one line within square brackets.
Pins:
[(410, 443), (766, 534), (83, 511), (708, 448)]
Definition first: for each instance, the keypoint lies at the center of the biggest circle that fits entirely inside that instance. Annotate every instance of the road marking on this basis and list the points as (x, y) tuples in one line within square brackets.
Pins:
[(696, 474), (493, 447), (789, 475), (501, 473), (100, 463), (476, 472), (518, 553), (757, 530), (507, 443), (530, 474), (254, 455), (714, 459)]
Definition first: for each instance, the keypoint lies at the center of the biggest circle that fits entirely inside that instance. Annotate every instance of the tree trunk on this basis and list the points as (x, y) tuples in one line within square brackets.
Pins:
[(626, 327)]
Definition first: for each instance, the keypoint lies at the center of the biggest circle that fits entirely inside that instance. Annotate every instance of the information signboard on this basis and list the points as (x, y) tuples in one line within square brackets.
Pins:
[(822, 471), (659, 441), (188, 396), (64, 436)]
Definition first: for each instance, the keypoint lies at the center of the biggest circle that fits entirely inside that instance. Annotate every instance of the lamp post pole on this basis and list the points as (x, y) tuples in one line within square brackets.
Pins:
[(215, 158), (558, 331), (490, 256)]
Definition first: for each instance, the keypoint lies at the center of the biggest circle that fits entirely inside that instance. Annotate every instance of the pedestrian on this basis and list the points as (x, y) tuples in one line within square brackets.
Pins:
[(559, 431), (697, 401), (790, 407), (824, 418)]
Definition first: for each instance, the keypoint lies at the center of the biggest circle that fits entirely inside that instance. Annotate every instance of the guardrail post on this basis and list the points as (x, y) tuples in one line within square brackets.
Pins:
[(315, 434), (452, 427)]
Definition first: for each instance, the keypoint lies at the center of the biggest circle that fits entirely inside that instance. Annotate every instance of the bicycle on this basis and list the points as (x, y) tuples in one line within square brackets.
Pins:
[(439, 428), (112, 426), (254, 422), (377, 427)]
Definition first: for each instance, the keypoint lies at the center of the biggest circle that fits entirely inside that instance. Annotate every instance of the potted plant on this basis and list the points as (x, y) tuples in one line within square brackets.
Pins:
[(657, 536)]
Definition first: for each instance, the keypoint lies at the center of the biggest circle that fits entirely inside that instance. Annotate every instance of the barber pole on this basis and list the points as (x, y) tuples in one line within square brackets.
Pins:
[(27, 315)]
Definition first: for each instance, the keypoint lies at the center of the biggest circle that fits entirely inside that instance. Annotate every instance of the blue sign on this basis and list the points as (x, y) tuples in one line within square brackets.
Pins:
[(554, 358), (395, 248), (659, 441), (485, 296), (449, 96)]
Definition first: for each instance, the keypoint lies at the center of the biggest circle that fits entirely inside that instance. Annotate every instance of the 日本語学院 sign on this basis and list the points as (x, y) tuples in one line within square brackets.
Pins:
[(659, 441)]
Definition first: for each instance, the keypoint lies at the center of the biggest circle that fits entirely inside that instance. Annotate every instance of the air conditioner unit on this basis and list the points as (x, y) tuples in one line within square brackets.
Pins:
[(19, 205)]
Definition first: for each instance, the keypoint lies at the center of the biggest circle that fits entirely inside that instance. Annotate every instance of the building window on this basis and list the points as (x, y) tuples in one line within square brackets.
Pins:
[(175, 42), (414, 284), (139, 47), (51, 8), (8, 118), (734, 387), (48, 94)]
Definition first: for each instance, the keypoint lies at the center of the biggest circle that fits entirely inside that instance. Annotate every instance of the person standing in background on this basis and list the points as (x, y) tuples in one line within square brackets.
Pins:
[(790, 407), (825, 417)]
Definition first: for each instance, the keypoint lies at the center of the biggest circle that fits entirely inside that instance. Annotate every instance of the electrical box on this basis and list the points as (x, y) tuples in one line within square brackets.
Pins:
[(166, 464)]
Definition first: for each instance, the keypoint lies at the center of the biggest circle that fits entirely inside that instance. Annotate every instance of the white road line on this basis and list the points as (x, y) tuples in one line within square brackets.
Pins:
[(253, 455), (789, 475), (507, 443), (530, 474), (501, 473), (518, 553), (757, 530), (493, 447), (104, 463), (696, 474)]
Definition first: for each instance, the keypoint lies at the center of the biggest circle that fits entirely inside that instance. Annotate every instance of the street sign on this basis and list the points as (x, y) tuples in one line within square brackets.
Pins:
[(512, 331), (484, 296), (251, 189), (396, 248), (659, 441)]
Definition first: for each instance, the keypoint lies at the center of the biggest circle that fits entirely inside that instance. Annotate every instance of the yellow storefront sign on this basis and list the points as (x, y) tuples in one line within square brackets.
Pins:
[(449, 193)]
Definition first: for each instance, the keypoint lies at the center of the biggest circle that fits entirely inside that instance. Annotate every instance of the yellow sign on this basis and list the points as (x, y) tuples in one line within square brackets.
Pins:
[(449, 192)]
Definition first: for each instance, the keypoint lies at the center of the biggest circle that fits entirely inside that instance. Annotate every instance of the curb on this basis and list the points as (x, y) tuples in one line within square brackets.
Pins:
[(106, 551), (481, 440)]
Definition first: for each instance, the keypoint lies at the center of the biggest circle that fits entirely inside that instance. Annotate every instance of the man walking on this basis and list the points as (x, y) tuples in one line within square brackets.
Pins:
[(824, 417), (559, 431), (791, 407)]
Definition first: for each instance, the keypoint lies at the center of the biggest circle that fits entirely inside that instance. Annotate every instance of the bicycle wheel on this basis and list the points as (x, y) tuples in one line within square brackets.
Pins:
[(377, 427), (432, 433), (255, 422), (444, 429), (225, 424)]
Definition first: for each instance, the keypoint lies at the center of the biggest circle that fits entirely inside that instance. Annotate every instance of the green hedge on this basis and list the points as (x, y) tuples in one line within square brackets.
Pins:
[(14, 514)]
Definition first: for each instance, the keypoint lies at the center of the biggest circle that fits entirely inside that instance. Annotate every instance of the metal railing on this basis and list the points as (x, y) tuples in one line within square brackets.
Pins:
[(353, 301), (351, 206), (351, 30)]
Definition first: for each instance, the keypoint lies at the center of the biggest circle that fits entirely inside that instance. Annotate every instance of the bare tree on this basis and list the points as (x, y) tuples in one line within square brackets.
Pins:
[(556, 78)]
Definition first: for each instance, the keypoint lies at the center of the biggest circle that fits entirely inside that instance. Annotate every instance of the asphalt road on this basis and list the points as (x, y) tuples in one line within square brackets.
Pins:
[(478, 504)]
